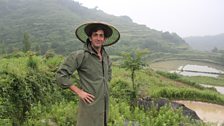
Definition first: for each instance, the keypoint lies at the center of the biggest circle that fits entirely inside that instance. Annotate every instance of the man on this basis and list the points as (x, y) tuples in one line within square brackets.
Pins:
[(94, 70)]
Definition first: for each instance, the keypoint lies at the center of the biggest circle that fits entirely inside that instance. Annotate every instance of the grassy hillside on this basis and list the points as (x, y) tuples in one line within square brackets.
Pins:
[(27, 86), (51, 25)]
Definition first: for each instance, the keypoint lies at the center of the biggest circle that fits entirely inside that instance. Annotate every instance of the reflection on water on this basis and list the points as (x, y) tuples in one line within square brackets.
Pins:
[(218, 88), (198, 74), (207, 112), (197, 70)]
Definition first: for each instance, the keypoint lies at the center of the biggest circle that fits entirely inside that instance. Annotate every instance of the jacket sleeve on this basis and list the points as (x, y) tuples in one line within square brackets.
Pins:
[(109, 70), (67, 68)]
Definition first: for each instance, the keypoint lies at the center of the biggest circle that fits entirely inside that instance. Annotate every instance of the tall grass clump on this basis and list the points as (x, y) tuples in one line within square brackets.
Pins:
[(188, 94)]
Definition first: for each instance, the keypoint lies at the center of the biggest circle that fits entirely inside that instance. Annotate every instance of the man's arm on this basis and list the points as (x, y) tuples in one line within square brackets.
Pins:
[(109, 70), (64, 73)]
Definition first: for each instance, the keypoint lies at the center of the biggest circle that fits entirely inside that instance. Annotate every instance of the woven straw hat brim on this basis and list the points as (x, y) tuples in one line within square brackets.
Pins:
[(111, 33)]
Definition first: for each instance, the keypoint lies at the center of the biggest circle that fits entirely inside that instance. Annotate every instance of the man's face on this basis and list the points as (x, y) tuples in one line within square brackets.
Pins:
[(97, 39)]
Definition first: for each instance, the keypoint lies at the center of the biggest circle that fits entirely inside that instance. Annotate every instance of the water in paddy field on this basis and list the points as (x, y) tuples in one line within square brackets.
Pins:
[(208, 112), (197, 70)]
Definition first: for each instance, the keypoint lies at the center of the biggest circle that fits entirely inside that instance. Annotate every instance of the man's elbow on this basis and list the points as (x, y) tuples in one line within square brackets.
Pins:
[(62, 82)]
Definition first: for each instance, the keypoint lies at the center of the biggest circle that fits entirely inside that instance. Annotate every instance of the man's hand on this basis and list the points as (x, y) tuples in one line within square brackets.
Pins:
[(84, 96)]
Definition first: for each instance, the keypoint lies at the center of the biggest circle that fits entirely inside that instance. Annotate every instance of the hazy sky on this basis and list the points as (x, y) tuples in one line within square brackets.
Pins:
[(184, 17)]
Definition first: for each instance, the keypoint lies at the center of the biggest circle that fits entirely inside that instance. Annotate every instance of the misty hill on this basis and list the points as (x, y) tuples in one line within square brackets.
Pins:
[(51, 25), (206, 43)]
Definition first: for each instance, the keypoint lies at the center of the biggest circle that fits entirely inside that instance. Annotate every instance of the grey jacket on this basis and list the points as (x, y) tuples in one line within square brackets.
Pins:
[(94, 77)]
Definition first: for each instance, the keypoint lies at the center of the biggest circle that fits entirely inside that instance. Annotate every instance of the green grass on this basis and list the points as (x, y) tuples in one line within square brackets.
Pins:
[(219, 81), (152, 84), (149, 83), (188, 94)]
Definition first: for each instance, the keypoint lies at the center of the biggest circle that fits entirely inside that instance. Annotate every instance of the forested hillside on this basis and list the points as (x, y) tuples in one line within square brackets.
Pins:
[(50, 24), (206, 43)]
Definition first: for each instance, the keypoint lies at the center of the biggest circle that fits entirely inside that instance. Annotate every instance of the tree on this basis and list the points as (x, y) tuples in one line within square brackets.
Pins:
[(222, 58), (43, 48), (37, 49), (215, 50), (133, 62), (3, 47), (26, 42)]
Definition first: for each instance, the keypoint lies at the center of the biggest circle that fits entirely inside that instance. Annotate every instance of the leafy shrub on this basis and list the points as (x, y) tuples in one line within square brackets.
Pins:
[(53, 63), (49, 54), (120, 89), (31, 63), (15, 55), (61, 114), (19, 94), (173, 76)]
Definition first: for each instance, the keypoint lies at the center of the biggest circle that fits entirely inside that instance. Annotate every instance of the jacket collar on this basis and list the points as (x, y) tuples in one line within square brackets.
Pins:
[(88, 48)]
